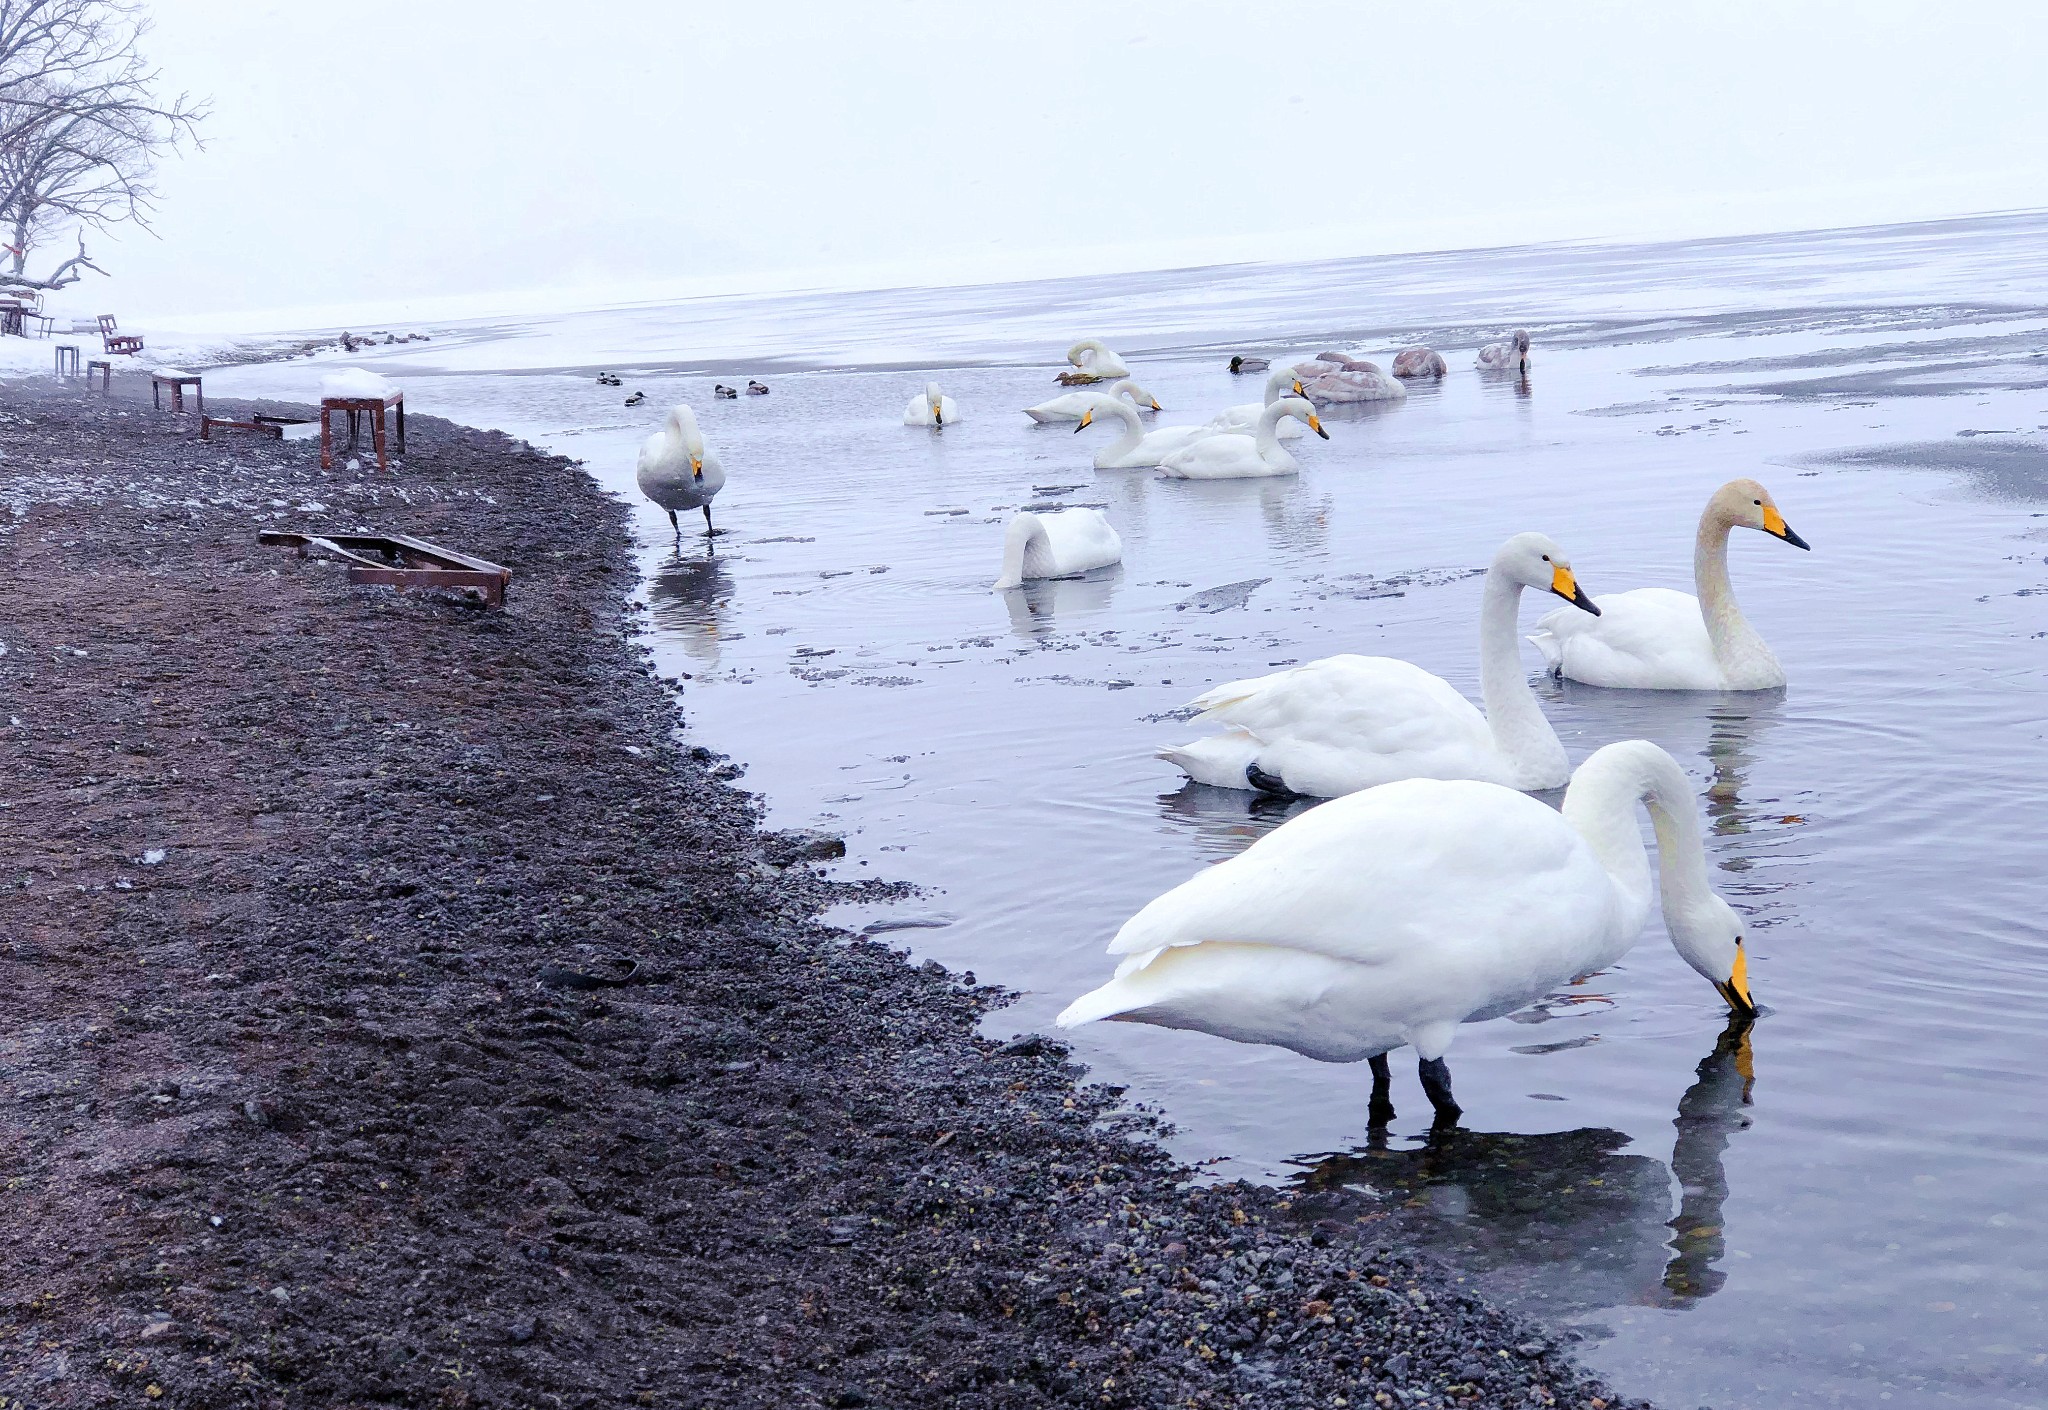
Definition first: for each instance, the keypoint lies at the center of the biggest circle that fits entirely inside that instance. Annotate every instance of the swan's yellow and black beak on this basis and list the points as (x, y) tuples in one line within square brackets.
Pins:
[(1315, 424), (1156, 406), (1776, 527), (1298, 389), (1567, 587), (696, 467), (1087, 420), (1736, 988)]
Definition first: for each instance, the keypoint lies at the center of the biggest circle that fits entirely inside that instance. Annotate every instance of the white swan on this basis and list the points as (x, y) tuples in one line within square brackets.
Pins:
[(1058, 543), (1391, 916), (1239, 455), (1073, 405), (1281, 381), (677, 471), (1658, 639), (1136, 448), (1510, 352), (1420, 361), (1096, 361), (1336, 377), (1344, 723), (930, 407)]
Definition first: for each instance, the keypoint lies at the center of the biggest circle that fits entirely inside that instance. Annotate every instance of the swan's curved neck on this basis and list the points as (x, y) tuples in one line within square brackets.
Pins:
[(1134, 429), (1269, 429), (1016, 539), (1278, 381), (1601, 805), (1520, 731), (1734, 639)]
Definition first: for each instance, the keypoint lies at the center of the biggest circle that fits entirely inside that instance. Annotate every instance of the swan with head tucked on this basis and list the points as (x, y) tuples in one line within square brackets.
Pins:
[(1280, 382), (930, 407), (1136, 448), (1659, 639), (1345, 723), (1420, 361), (1059, 543), (1074, 405), (1336, 377), (1509, 354), (677, 471), (1239, 455), (1095, 361), (1389, 917)]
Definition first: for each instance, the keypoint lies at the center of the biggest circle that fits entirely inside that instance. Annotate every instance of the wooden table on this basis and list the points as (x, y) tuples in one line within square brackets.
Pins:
[(104, 371), (177, 381), (355, 407)]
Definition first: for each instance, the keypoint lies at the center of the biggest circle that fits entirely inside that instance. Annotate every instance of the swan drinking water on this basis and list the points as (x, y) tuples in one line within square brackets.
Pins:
[(930, 407), (1658, 639), (1073, 405), (1060, 543), (1097, 363), (1136, 448), (1345, 723), (677, 471), (1511, 352), (1391, 916), (1238, 455)]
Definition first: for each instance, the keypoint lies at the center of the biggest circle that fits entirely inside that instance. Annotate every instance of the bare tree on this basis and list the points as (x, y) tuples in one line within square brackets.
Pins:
[(82, 125)]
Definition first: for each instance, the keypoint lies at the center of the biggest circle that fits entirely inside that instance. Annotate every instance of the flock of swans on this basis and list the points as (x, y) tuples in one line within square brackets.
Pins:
[(1431, 890)]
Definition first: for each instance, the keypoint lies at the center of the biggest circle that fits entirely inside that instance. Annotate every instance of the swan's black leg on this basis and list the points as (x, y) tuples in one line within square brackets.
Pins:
[(1266, 783), (707, 520), (673, 524), (1436, 1085), (1381, 1112)]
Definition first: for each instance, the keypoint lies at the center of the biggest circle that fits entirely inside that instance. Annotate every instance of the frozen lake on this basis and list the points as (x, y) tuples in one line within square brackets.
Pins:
[(1844, 1210)]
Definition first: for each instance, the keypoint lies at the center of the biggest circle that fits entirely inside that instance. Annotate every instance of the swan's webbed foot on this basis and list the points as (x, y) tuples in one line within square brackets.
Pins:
[(1380, 1114), (1264, 782), (1436, 1085)]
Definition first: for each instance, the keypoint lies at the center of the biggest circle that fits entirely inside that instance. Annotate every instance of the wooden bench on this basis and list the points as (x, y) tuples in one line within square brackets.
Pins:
[(115, 341), (177, 380)]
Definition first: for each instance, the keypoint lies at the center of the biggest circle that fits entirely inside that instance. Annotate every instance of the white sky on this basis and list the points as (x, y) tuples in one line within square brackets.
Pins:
[(385, 152)]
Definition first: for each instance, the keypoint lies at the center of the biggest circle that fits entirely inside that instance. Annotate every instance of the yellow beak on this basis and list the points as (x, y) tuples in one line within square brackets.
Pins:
[(1567, 587), (1736, 990), (1157, 407), (1087, 419), (696, 468), (1774, 522)]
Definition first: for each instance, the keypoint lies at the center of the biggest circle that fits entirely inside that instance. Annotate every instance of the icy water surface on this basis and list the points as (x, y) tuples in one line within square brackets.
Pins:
[(1842, 1210)]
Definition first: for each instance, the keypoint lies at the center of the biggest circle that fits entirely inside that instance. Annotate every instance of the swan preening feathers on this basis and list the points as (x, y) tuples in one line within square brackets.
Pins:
[(1060, 543), (930, 407), (1073, 405), (1096, 362), (1346, 723), (1390, 916), (677, 471), (1658, 639)]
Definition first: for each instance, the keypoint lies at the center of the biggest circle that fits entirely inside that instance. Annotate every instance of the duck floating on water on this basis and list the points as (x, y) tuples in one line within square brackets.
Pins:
[(636, 399), (723, 392), (756, 389), (1242, 364)]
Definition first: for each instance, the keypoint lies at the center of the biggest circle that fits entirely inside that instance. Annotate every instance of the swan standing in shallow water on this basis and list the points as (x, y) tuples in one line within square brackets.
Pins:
[(1335, 377), (1419, 361), (1511, 352), (1058, 544), (1658, 639), (1239, 455), (1280, 382), (1096, 361), (677, 471), (930, 407), (1136, 448), (1345, 723), (1391, 916), (1074, 405)]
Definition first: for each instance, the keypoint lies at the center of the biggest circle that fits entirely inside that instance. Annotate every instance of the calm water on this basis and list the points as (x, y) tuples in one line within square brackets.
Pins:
[(1845, 1212)]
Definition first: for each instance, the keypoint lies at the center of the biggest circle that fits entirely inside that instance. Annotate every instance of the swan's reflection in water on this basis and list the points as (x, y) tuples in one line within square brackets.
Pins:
[(688, 599), (1042, 605), (1225, 821), (1565, 1221)]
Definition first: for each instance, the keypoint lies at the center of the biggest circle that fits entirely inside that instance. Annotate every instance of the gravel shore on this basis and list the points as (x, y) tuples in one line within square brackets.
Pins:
[(318, 1086)]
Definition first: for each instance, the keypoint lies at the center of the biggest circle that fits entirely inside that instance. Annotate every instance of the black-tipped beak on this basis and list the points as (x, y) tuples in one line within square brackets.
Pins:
[(1785, 533), (1080, 427), (1737, 1004), (1567, 587)]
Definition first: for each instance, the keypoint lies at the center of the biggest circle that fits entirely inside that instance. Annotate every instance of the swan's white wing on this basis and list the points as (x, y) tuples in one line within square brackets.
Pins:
[(1245, 418), (1072, 541), (1344, 723), (918, 412), (1651, 638)]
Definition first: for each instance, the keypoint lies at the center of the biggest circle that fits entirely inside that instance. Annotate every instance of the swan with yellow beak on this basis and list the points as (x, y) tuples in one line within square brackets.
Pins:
[(677, 471)]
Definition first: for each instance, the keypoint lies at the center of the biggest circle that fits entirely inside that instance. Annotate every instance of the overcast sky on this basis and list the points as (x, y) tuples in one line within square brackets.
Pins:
[(394, 152)]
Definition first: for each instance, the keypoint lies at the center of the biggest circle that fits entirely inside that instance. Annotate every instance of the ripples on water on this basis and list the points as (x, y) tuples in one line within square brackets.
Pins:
[(1839, 1207)]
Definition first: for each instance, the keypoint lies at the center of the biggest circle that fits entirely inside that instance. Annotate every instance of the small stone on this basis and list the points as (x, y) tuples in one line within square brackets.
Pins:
[(521, 1330), (1396, 1365), (849, 1397), (1530, 1350)]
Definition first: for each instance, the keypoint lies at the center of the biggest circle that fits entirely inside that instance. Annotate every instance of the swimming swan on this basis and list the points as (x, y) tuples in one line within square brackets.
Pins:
[(1096, 361), (1060, 543), (1073, 405), (1280, 382), (677, 471), (1511, 351), (1136, 448), (1658, 639), (1391, 916), (1344, 723), (1240, 455), (1419, 361), (1335, 377), (930, 407)]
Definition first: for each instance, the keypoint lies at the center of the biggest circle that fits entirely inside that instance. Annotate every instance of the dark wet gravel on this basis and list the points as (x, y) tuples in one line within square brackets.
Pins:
[(339, 1100)]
